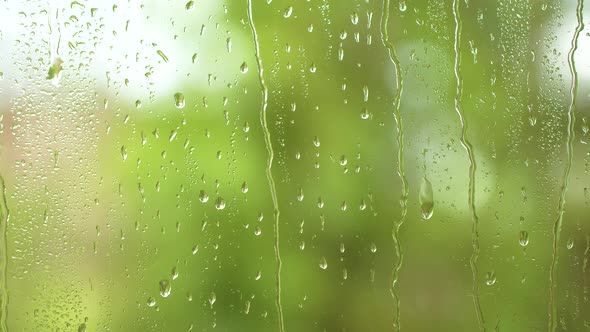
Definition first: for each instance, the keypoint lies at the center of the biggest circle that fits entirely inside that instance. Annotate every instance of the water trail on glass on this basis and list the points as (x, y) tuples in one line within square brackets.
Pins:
[(4, 213), (400, 162), (271, 181), (472, 167), (571, 119)]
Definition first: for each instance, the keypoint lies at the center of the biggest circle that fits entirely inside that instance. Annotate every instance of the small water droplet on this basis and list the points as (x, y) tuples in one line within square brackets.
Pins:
[(323, 263), (124, 152), (490, 278), (300, 195), (190, 5), (403, 6), (364, 113), (373, 248), (570, 244), (212, 298), (354, 18), (244, 67), (244, 187)]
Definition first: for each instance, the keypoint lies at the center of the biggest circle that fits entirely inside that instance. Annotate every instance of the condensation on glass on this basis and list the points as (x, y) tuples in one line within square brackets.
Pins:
[(294, 165)]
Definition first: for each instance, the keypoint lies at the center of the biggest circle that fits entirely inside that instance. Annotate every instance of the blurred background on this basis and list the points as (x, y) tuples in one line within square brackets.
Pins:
[(136, 192)]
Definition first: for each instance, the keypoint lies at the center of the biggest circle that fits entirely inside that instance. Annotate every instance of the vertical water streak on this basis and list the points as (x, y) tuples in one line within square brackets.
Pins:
[(571, 119), (271, 182), (400, 162), (4, 213), (472, 166)]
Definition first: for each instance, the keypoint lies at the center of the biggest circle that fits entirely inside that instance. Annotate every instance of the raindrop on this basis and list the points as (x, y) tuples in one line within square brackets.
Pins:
[(212, 298), (300, 195), (220, 203), (570, 244), (364, 113), (403, 6), (165, 288), (190, 5), (354, 18), (490, 278), (373, 248), (426, 199), (244, 187), (179, 100), (203, 197), (323, 263), (288, 12), (124, 152), (244, 67), (151, 302)]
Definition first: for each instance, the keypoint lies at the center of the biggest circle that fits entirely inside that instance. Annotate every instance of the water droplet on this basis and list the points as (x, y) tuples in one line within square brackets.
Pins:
[(174, 273), (244, 187), (363, 205), (220, 203), (212, 298), (54, 71), (354, 18), (490, 278), (244, 67), (316, 142), (373, 248), (138, 103), (323, 263), (343, 160), (426, 199), (195, 58), (364, 113), (179, 100), (203, 197), (165, 288), (403, 6), (288, 12), (190, 5), (523, 238), (300, 195), (162, 55), (124, 152), (320, 203), (570, 244), (151, 302)]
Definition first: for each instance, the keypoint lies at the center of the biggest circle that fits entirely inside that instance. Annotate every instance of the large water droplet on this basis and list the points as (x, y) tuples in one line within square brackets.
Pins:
[(426, 199), (165, 288), (179, 100)]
